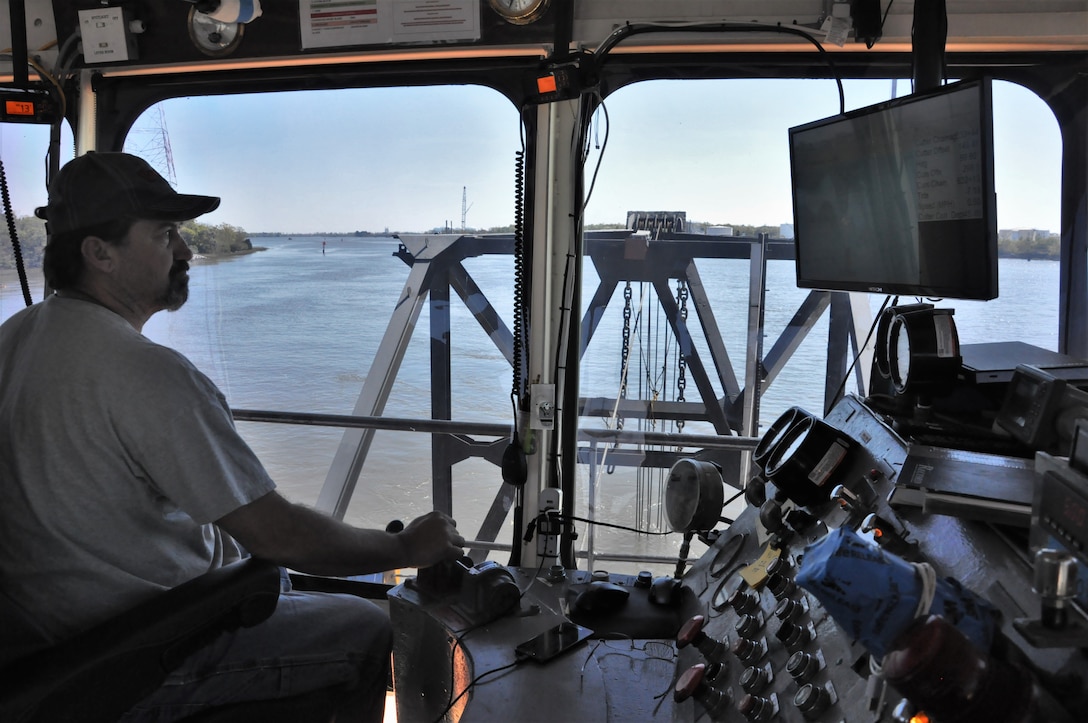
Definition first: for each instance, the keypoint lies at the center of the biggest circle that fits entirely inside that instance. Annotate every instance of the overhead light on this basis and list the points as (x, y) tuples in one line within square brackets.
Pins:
[(216, 26)]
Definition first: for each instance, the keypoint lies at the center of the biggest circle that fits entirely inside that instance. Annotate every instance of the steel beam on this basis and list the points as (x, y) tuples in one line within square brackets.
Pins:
[(348, 461)]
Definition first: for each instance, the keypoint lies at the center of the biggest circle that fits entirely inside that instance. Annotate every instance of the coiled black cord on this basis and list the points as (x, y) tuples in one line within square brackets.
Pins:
[(516, 388), (16, 250)]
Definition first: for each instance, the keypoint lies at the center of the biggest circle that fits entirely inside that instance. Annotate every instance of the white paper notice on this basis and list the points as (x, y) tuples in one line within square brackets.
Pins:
[(335, 23)]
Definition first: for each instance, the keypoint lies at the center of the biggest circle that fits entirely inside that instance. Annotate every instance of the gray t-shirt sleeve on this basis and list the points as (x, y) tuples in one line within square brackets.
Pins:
[(179, 436)]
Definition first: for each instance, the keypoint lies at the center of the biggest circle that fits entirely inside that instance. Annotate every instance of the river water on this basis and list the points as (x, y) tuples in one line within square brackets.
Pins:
[(294, 328)]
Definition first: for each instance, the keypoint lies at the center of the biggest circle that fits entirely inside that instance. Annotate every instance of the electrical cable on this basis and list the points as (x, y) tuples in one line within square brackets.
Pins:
[(600, 155), (575, 518), (571, 281), (473, 682), (460, 638), (627, 31), (886, 11), (861, 348), (514, 466)]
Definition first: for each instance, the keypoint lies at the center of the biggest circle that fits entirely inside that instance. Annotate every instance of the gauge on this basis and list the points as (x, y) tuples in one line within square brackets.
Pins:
[(923, 351), (775, 433), (519, 12), (213, 37), (694, 495)]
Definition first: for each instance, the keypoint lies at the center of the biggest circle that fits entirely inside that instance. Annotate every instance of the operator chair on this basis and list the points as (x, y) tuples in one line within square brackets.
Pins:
[(99, 674)]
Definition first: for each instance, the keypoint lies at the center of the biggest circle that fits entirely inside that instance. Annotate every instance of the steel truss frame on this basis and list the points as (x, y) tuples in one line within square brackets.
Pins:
[(436, 264)]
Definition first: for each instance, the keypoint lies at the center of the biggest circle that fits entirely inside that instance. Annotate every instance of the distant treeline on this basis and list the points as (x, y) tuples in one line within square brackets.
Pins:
[(328, 234), (202, 239), (1030, 244), (226, 239)]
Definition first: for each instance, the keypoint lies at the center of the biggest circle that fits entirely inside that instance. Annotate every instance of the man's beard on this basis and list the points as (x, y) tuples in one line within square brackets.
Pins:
[(177, 289)]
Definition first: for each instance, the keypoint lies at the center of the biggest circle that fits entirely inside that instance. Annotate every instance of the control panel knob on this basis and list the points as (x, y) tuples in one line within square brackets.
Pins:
[(799, 519), (788, 610), (743, 601), (780, 586), (793, 636), (749, 651), (801, 666), (692, 684), (755, 492), (748, 625), (770, 516), (779, 566), (756, 708), (754, 679), (812, 701), (691, 633), (645, 579)]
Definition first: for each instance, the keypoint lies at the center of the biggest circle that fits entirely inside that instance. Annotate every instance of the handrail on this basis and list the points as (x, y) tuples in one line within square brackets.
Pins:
[(445, 426)]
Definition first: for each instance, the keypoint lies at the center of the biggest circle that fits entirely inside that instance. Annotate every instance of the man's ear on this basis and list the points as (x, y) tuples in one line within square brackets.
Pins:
[(97, 253)]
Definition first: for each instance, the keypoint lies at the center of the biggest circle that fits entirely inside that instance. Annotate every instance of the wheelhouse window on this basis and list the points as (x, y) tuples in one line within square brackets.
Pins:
[(710, 159), (305, 277)]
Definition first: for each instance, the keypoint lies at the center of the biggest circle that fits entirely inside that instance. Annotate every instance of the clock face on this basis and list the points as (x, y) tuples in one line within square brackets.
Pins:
[(519, 12)]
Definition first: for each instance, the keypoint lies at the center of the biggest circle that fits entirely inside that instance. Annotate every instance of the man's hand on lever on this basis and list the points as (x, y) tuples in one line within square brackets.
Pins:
[(430, 539)]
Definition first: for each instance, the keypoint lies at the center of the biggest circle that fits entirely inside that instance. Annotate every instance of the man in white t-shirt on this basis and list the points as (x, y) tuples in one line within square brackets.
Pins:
[(122, 475)]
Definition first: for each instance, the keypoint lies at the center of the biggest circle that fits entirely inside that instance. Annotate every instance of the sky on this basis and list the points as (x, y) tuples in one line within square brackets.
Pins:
[(413, 159)]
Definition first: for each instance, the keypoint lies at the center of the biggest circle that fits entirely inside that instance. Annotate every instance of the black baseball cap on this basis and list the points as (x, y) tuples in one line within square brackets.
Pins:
[(97, 188)]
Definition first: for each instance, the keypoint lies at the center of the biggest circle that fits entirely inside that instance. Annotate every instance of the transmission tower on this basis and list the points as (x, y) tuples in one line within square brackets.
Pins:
[(465, 206), (150, 140)]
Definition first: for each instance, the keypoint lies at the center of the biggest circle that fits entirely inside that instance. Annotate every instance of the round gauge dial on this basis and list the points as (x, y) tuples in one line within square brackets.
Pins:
[(213, 37), (519, 12)]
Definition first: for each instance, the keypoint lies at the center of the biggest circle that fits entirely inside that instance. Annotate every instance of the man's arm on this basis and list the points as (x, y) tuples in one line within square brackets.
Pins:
[(308, 541)]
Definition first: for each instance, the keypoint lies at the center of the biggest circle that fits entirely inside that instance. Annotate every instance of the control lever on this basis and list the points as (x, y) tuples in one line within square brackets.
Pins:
[(488, 591), (692, 634), (694, 683), (1059, 624), (847, 500), (484, 591), (1056, 583), (887, 537)]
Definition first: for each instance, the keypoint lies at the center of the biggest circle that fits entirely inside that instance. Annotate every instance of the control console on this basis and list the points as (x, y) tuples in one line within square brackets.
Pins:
[(762, 642)]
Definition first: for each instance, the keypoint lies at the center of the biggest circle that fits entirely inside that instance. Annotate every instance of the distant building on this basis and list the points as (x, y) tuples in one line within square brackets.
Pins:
[(719, 230), (1025, 234), (785, 230)]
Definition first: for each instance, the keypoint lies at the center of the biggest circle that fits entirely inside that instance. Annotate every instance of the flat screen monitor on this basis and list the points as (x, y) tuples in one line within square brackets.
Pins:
[(898, 197)]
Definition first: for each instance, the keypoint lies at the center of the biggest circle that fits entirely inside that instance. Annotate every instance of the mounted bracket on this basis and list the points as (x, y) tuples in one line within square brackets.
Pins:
[(563, 78)]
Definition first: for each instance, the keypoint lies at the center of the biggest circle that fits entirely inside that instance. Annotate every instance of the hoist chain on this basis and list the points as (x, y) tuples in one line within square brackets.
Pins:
[(681, 361), (626, 350), (625, 354)]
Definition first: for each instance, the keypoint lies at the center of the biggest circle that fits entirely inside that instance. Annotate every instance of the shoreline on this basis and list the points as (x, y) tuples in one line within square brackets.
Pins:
[(9, 277)]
